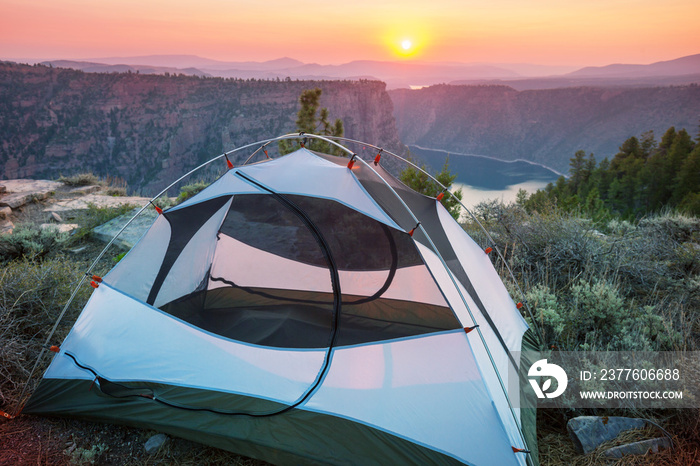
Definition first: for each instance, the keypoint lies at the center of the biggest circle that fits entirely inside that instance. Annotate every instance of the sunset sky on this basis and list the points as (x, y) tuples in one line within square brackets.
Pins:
[(552, 32)]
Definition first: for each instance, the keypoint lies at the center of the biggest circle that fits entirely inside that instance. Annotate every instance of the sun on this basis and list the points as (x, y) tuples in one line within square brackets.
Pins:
[(406, 42)]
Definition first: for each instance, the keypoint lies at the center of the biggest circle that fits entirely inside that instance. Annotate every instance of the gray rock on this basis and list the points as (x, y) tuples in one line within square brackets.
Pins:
[(15, 200), (62, 228), (6, 227), (98, 200), (5, 212), (154, 443), (3, 188), (82, 190), (56, 217), (639, 448), (133, 232), (21, 192), (587, 432)]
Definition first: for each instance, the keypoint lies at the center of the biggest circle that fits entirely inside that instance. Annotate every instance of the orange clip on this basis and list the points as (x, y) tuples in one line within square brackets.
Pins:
[(97, 278), (488, 250), (94, 284), (440, 196), (519, 305), (55, 349)]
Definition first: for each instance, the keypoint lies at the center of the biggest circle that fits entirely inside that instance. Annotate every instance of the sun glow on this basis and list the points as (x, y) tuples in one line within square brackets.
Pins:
[(406, 44)]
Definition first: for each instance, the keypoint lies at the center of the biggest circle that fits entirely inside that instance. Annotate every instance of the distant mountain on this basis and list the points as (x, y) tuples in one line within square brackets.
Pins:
[(544, 126), (680, 66), (557, 82), (90, 67), (194, 61), (395, 73), (408, 73)]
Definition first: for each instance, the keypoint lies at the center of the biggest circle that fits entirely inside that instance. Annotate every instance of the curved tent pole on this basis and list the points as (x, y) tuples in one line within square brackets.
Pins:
[(492, 242), (297, 136), (82, 280), (454, 282)]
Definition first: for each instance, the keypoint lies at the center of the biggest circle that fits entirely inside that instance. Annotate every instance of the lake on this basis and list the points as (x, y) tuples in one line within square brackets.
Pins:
[(482, 177)]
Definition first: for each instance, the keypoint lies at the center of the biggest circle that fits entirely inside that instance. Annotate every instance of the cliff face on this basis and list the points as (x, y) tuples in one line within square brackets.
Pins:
[(149, 129), (545, 126)]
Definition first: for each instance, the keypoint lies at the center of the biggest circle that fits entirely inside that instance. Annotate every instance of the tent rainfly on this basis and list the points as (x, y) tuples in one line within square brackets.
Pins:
[(304, 310)]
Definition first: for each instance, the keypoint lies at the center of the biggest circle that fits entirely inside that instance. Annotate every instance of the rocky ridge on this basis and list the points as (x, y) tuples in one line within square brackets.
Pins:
[(149, 129)]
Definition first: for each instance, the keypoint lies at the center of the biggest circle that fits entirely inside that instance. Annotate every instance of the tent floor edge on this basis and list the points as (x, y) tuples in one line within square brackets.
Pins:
[(295, 437)]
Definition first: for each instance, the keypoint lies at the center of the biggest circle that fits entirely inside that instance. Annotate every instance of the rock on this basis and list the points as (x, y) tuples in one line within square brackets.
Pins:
[(131, 234), (56, 217), (62, 228), (587, 432), (16, 200), (98, 200), (6, 227), (5, 212), (639, 448), (2, 188), (21, 192), (154, 443), (82, 190)]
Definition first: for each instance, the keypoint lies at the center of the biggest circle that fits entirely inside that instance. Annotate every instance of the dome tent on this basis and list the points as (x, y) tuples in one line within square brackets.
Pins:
[(308, 308)]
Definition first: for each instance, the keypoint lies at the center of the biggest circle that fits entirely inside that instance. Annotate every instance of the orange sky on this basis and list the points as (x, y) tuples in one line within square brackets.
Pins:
[(553, 32)]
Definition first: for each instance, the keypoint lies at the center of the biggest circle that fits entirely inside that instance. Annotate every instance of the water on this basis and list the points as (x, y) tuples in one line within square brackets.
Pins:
[(482, 178)]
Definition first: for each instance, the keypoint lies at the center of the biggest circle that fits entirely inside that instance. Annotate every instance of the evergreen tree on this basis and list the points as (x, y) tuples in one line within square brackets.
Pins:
[(687, 187), (643, 177), (307, 122)]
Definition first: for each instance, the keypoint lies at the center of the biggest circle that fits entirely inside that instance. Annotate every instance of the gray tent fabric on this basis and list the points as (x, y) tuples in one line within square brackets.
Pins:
[(288, 313)]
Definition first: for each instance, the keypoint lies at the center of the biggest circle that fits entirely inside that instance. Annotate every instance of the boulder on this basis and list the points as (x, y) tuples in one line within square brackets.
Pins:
[(56, 217), (62, 228), (131, 234), (154, 443), (5, 212), (6, 227), (98, 200), (21, 192), (82, 190), (588, 432)]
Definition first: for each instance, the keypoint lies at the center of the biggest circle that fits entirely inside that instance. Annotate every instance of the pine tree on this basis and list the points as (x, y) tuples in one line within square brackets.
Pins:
[(307, 122)]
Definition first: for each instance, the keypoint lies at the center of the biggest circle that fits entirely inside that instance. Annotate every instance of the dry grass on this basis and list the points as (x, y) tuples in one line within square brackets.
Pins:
[(556, 449)]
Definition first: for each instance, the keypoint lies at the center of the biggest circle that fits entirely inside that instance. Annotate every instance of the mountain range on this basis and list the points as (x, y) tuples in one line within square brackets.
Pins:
[(406, 74)]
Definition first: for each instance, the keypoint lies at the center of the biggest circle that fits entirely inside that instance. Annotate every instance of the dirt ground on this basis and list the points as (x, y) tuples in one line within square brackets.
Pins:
[(33, 440)]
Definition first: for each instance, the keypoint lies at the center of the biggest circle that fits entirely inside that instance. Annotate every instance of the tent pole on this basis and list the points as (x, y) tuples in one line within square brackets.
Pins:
[(488, 235), (478, 329), (76, 288)]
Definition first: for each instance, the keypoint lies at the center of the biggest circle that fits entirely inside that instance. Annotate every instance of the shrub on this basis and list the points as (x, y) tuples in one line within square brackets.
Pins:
[(32, 295), (631, 286), (190, 190), (29, 241), (80, 179)]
